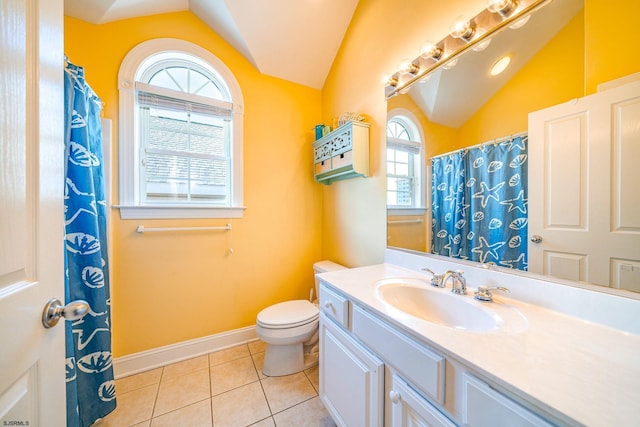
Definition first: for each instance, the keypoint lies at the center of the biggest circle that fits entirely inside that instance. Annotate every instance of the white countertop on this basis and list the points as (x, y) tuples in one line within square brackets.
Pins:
[(578, 371)]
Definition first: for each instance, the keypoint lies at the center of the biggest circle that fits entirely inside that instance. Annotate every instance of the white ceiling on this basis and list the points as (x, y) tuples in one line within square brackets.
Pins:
[(296, 40)]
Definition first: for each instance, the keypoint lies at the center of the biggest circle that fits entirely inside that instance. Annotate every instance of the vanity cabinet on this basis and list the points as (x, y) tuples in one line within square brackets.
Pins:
[(485, 406), (342, 154), (410, 409), (351, 378), (424, 387)]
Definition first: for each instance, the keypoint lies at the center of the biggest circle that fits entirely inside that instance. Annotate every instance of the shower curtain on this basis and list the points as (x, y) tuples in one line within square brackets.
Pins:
[(479, 204), (89, 370)]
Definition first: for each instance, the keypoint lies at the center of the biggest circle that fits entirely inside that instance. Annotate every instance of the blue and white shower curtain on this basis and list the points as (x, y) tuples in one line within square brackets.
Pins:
[(90, 381), (479, 204)]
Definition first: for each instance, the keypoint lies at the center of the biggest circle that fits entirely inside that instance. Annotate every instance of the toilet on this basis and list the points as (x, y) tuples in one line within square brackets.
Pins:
[(290, 330)]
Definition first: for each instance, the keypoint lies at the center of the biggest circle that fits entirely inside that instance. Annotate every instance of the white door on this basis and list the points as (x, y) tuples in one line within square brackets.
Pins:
[(32, 373), (584, 201)]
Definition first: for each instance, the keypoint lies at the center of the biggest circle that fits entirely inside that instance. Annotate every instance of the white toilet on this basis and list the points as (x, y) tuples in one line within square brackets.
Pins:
[(290, 330)]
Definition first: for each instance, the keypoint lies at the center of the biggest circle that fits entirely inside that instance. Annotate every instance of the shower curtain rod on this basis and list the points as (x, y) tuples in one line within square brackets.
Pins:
[(143, 229), (494, 141)]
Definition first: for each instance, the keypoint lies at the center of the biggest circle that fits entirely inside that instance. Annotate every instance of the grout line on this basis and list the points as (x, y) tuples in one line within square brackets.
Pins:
[(210, 388)]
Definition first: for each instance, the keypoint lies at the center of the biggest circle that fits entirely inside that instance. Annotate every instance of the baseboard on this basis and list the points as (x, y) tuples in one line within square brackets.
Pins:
[(161, 356)]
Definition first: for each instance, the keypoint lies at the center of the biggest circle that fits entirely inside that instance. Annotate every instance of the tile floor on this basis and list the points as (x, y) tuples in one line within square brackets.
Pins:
[(225, 388)]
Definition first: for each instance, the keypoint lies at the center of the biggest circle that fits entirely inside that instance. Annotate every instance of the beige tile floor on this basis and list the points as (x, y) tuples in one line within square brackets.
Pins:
[(225, 388)]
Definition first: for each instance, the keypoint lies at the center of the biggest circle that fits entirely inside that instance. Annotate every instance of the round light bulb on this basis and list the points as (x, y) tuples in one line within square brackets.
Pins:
[(462, 29), (431, 50), (503, 7), (482, 45), (520, 23), (449, 65)]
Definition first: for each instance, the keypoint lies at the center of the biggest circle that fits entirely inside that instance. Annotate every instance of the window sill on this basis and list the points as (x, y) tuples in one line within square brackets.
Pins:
[(179, 212), (406, 211)]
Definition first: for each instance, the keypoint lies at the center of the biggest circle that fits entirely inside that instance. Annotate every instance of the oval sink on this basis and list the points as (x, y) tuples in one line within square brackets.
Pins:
[(438, 306)]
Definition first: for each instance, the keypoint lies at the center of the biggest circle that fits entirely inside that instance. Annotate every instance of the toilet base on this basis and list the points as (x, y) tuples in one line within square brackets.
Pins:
[(280, 360)]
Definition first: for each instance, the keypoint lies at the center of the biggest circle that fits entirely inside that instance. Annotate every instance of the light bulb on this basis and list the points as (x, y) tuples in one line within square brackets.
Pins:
[(520, 23), (408, 67), (431, 50), (389, 80), (482, 45), (503, 7), (449, 65), (462, 29)]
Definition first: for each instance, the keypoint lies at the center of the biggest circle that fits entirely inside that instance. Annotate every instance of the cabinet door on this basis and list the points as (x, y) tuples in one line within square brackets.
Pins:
[(410, 409), (486, 407), (351, 378)]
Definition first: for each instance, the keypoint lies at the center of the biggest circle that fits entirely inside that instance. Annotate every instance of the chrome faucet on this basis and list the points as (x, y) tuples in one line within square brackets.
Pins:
[(436, 279), (459, 285), (484, 293)]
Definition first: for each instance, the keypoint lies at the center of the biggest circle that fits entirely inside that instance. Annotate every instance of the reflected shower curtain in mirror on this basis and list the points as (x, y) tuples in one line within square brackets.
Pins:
[(479, 204), (89, 370)]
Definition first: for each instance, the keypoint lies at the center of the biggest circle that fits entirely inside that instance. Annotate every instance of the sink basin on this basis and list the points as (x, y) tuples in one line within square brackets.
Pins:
[(415, 298)]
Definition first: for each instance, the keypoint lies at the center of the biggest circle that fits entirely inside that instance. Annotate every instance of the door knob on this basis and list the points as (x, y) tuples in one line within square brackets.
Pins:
[(54, 310), (536, 238), (394, 396)]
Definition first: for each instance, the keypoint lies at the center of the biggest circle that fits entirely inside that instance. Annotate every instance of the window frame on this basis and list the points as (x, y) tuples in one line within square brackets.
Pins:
[(410, 122), (130, 203)]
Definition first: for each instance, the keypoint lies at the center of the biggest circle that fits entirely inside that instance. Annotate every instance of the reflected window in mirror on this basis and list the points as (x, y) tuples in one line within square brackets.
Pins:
[(405, 170)]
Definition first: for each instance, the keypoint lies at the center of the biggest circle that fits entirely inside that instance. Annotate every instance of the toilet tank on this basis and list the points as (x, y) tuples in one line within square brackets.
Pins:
[(323, 267)]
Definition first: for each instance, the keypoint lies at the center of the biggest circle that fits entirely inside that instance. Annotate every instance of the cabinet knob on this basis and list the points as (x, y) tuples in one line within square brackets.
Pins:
[(328, 304), (394, 396)]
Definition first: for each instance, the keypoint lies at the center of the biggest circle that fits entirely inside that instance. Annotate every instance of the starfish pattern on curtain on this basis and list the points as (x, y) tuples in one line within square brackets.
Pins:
[(479, 204), (89, 366)]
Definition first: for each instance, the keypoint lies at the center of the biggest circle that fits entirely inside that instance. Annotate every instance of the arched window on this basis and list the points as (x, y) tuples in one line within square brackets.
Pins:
[(405, 171), (180, 133)]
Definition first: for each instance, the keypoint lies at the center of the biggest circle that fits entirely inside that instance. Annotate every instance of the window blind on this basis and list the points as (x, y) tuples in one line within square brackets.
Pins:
[(155, 97)]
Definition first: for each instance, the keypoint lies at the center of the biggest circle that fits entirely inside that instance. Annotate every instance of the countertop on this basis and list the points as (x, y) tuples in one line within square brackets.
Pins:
[(577, 371)]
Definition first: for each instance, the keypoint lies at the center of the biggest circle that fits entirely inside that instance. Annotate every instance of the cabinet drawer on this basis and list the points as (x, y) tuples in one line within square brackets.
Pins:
[(342, 159), (335, 306), (483, 406), (322, 166), (410, 408), (425, 368)]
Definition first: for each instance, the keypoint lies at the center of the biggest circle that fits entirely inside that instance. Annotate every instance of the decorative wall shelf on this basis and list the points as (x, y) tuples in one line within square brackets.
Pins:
[(342, 154)]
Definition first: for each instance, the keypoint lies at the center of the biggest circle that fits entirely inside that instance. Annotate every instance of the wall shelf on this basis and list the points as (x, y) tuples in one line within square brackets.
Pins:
[(342, 154)]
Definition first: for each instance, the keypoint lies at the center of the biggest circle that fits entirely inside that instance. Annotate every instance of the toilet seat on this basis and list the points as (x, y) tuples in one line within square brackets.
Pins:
[(288, 314)]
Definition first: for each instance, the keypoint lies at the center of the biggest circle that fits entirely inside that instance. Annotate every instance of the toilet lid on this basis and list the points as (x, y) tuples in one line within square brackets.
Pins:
[(288, 314)]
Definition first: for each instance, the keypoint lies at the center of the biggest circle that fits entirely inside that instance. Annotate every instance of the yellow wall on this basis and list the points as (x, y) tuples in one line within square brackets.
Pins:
[(380, 35), (167, 288)]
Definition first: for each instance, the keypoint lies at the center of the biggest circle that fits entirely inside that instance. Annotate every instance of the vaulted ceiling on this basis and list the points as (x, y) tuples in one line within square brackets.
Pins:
[(296, 40)]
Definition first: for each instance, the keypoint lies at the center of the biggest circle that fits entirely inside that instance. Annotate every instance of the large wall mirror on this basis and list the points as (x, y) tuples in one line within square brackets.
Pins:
[(463, 108)]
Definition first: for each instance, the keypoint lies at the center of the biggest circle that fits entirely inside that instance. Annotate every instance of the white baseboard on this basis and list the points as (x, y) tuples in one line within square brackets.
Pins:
[(161, 356)]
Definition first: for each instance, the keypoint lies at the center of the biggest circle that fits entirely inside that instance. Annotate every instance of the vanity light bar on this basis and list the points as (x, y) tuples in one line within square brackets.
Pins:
[(484, 24)]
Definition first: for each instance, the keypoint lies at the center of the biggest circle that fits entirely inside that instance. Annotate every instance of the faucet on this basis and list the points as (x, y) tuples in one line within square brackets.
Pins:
[(459, 285), (436, 279), (484, 293)]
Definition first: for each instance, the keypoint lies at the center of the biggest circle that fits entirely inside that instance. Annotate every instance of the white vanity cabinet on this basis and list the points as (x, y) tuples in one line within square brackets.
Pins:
[(360, 349), (410, 409), (485, 406), (351, 378)]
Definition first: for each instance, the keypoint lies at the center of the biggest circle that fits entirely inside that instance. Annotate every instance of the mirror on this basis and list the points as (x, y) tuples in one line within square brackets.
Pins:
[(462, 106)]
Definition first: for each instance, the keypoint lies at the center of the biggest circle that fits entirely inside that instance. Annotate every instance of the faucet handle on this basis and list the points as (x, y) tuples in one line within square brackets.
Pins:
[(436, 279), (484, 292)]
